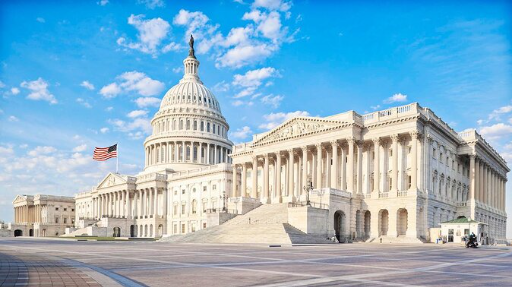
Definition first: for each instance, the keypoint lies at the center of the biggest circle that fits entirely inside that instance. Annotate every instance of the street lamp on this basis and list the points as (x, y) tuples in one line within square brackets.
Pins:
[(308, 188), (236, 200)]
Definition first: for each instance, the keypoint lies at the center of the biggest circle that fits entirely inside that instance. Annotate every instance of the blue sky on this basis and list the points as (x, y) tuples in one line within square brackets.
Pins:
[(78, 75)]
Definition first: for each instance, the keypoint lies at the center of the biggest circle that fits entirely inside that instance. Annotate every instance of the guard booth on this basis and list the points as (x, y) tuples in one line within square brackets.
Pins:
[(455, 230)]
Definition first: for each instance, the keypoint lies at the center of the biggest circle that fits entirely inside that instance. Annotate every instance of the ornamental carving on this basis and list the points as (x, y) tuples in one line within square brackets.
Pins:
[(298, 127)]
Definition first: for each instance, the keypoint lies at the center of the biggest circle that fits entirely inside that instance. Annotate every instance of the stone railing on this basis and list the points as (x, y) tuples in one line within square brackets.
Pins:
[(151, 177), (462, 204), (402, 193), (391, 113), (472, 134), (383, 194)]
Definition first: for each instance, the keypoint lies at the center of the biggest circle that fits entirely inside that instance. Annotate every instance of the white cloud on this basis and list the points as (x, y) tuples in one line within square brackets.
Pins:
[(272, 4), (172, 47), (104, 130), (272, 100), (40, 20), (41, 150), (177, 70), (251, 80), (102, 2), (502, 110), (240, 56), (87, 85), (396, 98), (152, 4), (39, 91), (147, 102), (4, 151), (23, 146), (151, 34), (13, 119), (242, 133), (2, 85), (375, 107), (80, 148), (15, 91), (108, 109), (135, 129), (480, 122), (496, 131), (221, 87), (133, 81), (275, 119), (137, 113), (237, 103), (83, 103)]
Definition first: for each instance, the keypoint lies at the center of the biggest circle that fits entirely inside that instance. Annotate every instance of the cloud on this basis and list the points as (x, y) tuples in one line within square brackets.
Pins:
[(152, 4), (251, 80), (242, 133), (396, 98), (496, 131), (272, 5), (221, 87), (272, 100), (172, 47), (39, 91), (102, 2), (104, 130), (2, 85), (136, 128), (108, 109), (40, 20), (13, 119), (147, 102), (41, 150), (83, 103), (272, 120), (137, 113), (240, 56), (500, 111), (80, 148), (15, 91), (151, 34), (133, 81), (87, 85)]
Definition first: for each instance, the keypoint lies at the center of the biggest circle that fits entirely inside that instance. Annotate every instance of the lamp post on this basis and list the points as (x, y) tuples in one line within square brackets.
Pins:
[(236, 200), (308, 188)]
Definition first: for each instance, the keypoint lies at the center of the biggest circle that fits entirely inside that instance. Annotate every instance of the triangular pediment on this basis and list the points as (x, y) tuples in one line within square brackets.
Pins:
[(298, 127), (111, 179), (19, 198)]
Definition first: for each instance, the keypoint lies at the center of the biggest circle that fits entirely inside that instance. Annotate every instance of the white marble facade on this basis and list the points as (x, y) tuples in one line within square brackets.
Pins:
[(404, 171), (392, 173)]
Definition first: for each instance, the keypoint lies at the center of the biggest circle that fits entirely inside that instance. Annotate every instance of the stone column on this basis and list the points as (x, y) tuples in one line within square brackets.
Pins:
[(234, 180), (156, 204), (254, 175), (350, 169), (376, 166), (343, 184), (481, 181), (215, 157), (151, 209), (265, 195), (360, 167), (473, 167), (165, 203), (394, 172), (291, 182), (487, 181), (278, 190), (243, 191), (318, 166), (414, 161), (123, 204), (335, 172), (128, 205), (304, 168), (200, 152), (136, 210)]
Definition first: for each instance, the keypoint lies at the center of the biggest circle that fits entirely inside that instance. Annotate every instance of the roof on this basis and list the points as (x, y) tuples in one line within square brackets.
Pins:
[(461, 220)]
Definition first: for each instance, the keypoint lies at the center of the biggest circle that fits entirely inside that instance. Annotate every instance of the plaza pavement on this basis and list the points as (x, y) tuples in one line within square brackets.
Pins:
[(42, 262)]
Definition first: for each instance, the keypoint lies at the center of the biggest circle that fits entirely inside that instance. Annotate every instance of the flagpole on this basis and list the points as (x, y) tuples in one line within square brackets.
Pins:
[(117, 159)]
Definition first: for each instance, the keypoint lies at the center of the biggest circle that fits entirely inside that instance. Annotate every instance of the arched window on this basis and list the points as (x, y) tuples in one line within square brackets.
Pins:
[(208, 127), (181, 124), (202, 126), (195, 125), (188, 124), (213, 130), (194, 206)]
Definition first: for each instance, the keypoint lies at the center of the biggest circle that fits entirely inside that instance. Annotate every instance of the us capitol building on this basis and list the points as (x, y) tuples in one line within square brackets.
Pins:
[(395, 175)]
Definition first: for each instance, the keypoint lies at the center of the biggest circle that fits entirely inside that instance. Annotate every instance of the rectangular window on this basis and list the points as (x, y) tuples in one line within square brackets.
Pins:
[(183, 208), (204, 225), (204, 188), (390, 183), (182, 191), (56, 220), (65, 209), (183, 228), (175, 228), (56, 209), (175, 209), (214, 187), (410, 181), (65, 220)]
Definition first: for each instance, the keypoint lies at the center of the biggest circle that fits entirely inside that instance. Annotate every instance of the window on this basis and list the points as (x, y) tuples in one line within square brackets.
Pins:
[(204, 188), (214, 187), (56, 220), (195, 125), (409, 179), (182, 191), (175, 209), (183, 228), (175, 192), (441, 157), (204, 225), (56, 209), (65, 220), (72, 209), (183, 208), (434, 155), (208, 127), (390, 183), (175, 228), (65, 209), (194, 206), (202, 126)]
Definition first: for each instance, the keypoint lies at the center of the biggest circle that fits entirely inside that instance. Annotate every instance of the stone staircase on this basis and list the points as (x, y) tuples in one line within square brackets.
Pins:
[(267, 224)]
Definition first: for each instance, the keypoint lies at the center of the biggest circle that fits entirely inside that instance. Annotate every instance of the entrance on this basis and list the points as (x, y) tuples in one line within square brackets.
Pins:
[(339, 225), (18, 232), (31, 232), (132, 230), (117, 232), (450, 235), (383, 222)]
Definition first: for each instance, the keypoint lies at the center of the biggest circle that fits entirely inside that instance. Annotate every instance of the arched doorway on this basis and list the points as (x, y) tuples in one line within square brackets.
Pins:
[(117, 232), (146, 230), (132, 230), (18, 232), (383, 222), (402, 218), (339, 225), (367, 223), (160, 230), (151, 230), (141, 233), (31, 232)]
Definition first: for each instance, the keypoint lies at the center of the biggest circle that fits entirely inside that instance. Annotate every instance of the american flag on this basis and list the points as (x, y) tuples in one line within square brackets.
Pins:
[(104, 153)]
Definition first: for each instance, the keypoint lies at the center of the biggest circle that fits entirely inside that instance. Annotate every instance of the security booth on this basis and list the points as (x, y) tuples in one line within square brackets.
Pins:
[(456, 230)]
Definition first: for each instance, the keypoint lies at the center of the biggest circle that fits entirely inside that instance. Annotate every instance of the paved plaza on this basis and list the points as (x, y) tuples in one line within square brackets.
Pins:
[(43, 262)]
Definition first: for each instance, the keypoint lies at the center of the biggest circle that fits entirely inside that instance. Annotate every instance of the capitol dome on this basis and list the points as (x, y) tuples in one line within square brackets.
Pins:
[(189, 130)]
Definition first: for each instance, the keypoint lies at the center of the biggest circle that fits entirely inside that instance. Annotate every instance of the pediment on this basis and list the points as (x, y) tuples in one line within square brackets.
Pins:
[(298, 127), (112, 179), (19, 199)]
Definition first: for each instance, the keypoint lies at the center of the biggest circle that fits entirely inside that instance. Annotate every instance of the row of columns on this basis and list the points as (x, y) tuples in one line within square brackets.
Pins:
[(183, 151), (315, 164), (487, 185), (143, 203), (187, 124), (21, 214)]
